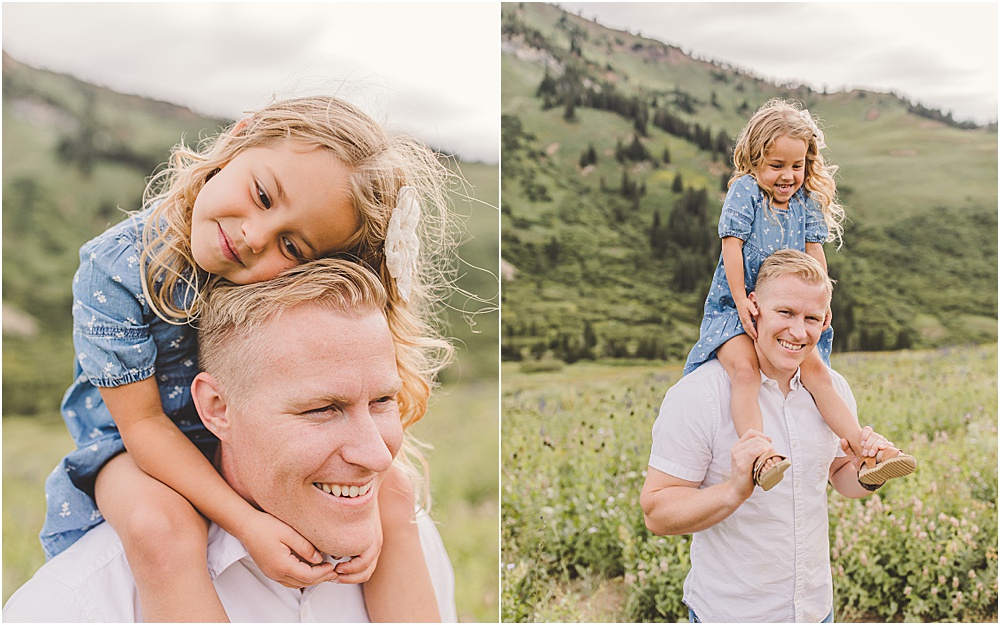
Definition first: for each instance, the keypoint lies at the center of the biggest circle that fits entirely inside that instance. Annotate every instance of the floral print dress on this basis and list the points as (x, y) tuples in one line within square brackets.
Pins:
[(763, 232), (118, 340)]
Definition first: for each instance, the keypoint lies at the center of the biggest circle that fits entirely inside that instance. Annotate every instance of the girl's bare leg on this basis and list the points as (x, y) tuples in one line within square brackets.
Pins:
[(165, 542), (739, 359), (817, 380)]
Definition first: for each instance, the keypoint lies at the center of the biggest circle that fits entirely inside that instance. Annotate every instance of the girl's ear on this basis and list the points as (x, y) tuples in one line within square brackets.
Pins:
[(211, 405), (240, 126)]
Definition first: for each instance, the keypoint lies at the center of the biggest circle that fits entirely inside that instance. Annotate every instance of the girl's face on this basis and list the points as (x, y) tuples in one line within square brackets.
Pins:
[(271, 208), (783, 169)]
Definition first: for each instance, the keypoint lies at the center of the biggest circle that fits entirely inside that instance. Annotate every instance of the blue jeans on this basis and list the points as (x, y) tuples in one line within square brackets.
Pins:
[(692, 617)]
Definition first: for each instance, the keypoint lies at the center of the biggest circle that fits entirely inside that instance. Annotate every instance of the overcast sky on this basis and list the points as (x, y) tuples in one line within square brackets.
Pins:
[(430, 69), (941, 55)]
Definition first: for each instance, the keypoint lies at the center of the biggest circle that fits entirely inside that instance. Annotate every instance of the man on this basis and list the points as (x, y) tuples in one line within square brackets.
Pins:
[(755, 556), (299, 384)]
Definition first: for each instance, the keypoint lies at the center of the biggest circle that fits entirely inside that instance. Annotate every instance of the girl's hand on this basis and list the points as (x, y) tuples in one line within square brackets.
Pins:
[(359, 569), (748, 313), (283, 554), (395, 506)]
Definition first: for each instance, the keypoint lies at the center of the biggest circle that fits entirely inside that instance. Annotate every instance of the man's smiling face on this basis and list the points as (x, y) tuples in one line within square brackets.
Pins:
[(319, 425), (792, 314)]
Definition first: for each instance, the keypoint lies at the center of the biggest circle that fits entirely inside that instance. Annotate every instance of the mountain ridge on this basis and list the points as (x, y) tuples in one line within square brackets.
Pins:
[(605, 133)]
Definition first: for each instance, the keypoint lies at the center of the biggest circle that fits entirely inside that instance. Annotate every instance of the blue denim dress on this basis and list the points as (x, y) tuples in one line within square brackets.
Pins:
[(118, 340), (763, 232)]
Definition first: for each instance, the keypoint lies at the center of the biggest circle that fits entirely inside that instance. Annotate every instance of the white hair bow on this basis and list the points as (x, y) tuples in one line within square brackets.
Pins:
[(808, 119), (402, 246)]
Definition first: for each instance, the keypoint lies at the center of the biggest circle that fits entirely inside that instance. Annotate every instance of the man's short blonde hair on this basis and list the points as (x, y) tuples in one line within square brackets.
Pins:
[(795, 263), (232, 350), (229, 343)]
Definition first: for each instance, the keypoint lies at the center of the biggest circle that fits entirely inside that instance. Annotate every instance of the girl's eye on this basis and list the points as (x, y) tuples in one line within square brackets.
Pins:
[(291, 248), (265, 201)]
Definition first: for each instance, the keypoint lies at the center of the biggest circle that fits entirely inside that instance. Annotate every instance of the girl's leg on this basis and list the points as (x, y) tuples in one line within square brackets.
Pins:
[(165, 542), (739, 359), (817, 380)]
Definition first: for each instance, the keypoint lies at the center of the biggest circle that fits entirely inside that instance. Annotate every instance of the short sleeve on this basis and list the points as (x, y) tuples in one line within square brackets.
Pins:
[(684, 430), (816, 228), (739, 209), (113, 343)]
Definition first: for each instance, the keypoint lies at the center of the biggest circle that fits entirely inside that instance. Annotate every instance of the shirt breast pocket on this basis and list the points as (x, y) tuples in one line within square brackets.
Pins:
[(825, 446)]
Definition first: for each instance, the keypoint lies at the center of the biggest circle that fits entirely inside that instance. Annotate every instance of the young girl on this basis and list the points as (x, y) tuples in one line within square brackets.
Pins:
[(298, 180), (782, 196)]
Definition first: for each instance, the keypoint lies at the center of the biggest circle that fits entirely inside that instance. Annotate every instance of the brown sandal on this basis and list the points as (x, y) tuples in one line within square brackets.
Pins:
[(770, 478), (875, 472)]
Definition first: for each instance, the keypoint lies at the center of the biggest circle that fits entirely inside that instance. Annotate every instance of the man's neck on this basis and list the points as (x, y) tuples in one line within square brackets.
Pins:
[(783, 378)]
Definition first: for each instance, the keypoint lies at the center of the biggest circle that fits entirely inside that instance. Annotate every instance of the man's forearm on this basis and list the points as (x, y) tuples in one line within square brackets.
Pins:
[(682, 510), (845, 481)]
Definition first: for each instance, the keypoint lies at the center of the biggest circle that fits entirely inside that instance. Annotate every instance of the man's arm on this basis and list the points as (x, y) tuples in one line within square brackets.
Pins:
[(674, 506), (844, 470)]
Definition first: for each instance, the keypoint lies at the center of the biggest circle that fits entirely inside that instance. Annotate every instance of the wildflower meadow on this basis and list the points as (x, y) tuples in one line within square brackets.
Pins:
[(575, 447)]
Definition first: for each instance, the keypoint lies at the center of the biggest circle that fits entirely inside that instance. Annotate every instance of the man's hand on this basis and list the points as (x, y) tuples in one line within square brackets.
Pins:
[(844, 470), (672, 506), (871, 443), (283, 554), (751, 445)]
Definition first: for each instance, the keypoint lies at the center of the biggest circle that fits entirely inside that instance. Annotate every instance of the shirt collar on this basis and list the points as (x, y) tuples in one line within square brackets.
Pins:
[(795, 383), (225, 550)]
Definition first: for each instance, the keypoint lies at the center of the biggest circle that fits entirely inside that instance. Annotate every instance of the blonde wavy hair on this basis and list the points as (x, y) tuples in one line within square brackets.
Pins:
[(379, 165), (233, 313), (777, 118)]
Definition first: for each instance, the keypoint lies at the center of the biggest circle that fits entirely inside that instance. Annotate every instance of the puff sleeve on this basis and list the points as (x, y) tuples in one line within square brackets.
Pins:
[(739, 209), (816, 228), (113, 342)]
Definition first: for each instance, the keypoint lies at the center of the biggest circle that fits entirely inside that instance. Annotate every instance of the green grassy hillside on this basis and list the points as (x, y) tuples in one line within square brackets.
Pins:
[(75, 156), (605, 134)]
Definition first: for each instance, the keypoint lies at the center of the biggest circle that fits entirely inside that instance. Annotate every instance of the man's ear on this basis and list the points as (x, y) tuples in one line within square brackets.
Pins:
[(211, 405), (828, 320)]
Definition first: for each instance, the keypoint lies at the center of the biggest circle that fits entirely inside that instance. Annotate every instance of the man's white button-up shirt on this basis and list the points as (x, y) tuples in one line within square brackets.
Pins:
[(770, 560), (91, 583)]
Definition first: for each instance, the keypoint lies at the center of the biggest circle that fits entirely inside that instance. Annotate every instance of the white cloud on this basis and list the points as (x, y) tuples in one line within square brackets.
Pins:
[(432, 68), (943, 55)]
